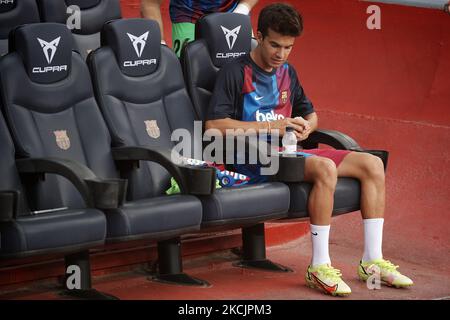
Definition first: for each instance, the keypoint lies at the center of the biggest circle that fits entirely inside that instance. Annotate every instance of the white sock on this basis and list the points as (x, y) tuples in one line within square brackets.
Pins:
[(319, 238), (373, 239)]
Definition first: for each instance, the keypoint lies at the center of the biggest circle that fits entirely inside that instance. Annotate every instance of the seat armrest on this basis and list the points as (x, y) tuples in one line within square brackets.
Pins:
[(9, 200), (191, 179), (108, 193), (96, 192), (333, 138)]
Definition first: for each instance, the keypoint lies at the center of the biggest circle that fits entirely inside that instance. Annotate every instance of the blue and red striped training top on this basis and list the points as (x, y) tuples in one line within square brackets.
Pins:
[(192, 10), (243, 91)]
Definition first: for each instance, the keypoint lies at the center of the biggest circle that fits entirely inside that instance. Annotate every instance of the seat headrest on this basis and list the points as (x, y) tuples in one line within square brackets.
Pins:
[(136, 44), (46, 50), (228, 35), (83, 4), (7, 5), (14, 13), (93, 13)]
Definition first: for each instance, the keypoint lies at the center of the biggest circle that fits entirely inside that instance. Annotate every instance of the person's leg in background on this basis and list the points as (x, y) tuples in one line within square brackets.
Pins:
[(182, 33)]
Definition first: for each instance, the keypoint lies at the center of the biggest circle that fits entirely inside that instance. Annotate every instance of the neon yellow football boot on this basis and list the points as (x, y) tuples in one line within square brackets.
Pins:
[(327, 279), (387, 271)]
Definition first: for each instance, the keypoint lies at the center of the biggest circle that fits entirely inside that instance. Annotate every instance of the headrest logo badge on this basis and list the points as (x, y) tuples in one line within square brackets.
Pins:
[(62, 139), (49, 48), (152, 129), (138, 42), (6, 1), (231, 35)]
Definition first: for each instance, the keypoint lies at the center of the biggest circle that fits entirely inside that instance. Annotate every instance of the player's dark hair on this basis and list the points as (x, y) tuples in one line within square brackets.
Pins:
[(281, 18)]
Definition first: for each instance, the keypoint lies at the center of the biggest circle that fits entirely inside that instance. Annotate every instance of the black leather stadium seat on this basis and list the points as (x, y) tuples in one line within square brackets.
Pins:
[(12, 14), (49, 103), (45, 230), (202, 60), (139, 86), (93, 14)]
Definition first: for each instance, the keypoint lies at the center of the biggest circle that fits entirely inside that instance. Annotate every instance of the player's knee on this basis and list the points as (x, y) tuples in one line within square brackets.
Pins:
[(374, 167), (327, 172)]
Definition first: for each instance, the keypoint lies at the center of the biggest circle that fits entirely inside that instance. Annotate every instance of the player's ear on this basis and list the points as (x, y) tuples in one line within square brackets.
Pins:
[(259, 37)]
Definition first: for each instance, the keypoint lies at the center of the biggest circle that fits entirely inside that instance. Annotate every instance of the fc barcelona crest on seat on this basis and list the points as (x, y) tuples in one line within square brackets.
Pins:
[(152, 129), (62, 139)]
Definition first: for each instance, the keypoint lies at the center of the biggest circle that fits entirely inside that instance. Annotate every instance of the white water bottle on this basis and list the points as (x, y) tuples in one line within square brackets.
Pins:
[(289, 142)]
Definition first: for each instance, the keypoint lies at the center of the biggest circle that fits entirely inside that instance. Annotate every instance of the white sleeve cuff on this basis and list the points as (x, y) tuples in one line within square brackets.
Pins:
[(242, 9)]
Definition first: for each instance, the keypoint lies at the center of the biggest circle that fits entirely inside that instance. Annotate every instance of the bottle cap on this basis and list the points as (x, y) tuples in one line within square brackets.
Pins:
[(289, 129)]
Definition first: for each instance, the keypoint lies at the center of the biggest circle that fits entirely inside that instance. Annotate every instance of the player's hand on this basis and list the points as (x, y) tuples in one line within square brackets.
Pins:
[(297, 124), (302, 123), (304, 134)]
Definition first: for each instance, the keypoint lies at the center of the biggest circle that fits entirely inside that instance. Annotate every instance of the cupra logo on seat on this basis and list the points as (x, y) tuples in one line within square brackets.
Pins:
[(6, 1), (49, 48), (138, 42), (231, 35)]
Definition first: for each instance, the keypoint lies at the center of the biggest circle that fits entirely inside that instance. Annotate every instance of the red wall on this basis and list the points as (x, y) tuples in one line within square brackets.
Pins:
[(401, 71)]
